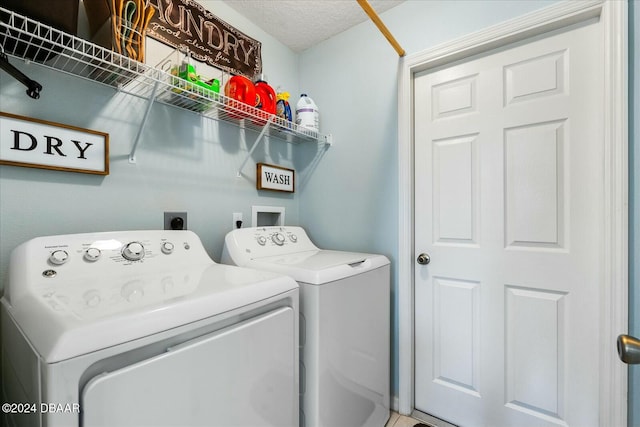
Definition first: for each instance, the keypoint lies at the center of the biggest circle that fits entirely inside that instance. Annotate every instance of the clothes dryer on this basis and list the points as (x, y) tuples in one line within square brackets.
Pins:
[(344, 322), (142, 328)]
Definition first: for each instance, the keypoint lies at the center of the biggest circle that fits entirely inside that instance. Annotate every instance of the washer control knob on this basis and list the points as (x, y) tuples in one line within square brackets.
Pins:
[(58, 257), (166, 248), (262, 240), (278, 239), (133, 251), (92, 254), (293, 238)]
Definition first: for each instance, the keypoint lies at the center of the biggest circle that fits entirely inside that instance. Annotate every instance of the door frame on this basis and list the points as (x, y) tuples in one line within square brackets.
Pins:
[(614, 297)]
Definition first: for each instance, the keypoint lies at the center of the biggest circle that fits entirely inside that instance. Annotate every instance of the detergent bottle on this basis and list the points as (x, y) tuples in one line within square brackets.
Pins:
[(241, 93), (283, 109), (265, 98), (307, 115)]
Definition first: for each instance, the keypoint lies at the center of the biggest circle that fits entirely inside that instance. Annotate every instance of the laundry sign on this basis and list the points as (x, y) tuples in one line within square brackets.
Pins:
[(276, 178), (47, 145), (187, 26)]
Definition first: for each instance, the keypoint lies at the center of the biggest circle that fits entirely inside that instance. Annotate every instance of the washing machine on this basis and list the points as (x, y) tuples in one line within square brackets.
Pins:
[(142, 328), (344, 322)]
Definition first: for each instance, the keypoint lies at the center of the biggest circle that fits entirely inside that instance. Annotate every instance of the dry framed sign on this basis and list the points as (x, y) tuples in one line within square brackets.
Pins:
[(275, 178), (47, 145)]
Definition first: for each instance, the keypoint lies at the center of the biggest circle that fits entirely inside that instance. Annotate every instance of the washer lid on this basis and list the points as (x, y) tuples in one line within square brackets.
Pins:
[(317, 267), (61, 323)]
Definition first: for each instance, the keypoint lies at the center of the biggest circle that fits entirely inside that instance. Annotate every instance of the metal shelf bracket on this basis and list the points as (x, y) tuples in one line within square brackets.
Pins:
[(255, 144), (327, 139), (150, 101)]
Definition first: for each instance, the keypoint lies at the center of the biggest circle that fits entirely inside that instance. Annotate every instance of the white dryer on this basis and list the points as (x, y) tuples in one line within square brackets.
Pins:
[(142, 328), (344, 323)]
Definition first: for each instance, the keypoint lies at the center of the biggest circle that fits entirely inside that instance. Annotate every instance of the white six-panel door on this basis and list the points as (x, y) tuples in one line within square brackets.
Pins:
[(508, 204)]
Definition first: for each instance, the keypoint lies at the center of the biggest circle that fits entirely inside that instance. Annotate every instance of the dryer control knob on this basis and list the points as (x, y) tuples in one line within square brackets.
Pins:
[(92, 254), (293, 238), (166, 248), (278, 239), (262, 240), (58, 257), (133, 251)]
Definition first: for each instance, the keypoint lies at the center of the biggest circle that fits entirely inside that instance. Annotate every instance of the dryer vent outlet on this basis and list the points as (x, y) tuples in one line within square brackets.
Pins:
[(175, 220)]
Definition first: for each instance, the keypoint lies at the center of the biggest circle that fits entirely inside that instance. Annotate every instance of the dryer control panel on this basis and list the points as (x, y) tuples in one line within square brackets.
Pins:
[(91, 268), (258, 242)]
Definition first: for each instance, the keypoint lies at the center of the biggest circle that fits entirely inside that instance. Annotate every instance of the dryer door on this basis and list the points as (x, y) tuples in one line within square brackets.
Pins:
[(243, 375)]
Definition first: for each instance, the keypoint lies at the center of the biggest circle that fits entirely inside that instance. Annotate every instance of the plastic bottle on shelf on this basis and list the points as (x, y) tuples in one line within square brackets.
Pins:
[(265, 99), (241, 93), (283, 109), (307, 115)]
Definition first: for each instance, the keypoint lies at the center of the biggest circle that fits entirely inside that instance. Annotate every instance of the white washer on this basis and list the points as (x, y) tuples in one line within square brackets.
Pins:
[(344, 312), (142, 328)]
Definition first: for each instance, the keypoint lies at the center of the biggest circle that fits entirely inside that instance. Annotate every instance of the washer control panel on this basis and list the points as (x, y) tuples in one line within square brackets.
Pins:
[(257, 242), (278, 239)]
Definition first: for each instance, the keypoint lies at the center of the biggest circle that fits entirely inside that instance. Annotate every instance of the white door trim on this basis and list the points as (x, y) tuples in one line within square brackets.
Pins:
[(614, 297)]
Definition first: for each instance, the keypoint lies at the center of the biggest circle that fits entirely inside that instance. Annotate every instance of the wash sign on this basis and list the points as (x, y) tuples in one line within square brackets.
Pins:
[(40, 144), (270, 177)]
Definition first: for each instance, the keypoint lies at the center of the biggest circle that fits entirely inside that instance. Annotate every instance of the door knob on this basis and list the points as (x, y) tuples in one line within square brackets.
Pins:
[(424, 259), (629, 349)]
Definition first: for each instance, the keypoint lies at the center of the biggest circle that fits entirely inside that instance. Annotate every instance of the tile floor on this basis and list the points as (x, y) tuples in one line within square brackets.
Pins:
[(397, 420)]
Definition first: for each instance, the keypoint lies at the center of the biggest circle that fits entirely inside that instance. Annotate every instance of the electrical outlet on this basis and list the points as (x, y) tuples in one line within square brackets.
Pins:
[(237, 216), (175, 220)]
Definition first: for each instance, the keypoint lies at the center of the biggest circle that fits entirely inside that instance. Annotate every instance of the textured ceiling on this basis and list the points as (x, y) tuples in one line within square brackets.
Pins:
[(300, 24)]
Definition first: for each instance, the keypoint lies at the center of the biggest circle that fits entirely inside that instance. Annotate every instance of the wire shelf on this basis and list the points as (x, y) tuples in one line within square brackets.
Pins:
[(29, 40)]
